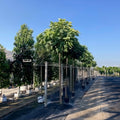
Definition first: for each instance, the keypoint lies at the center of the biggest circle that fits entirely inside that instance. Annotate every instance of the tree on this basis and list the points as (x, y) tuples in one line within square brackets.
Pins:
[(42, 50), (58, 39), (110, 70), (23, 49), (101, 70), (116, 70), (75, 52), (94, 63), (4, 69), (87, 58)]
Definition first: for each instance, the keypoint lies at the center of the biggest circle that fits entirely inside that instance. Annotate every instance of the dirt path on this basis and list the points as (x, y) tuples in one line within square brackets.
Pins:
[(101, 102)]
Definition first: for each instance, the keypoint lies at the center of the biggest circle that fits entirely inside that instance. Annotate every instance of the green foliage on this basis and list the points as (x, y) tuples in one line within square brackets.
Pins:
[(42, 50), (4, 69), (116, 69), (37, 80), (24, 41), (94, 63), (87, 59), (62, 36), (109, 70), (76, 51), (101, 70), (23, 49), (53, 73), (59, 38)]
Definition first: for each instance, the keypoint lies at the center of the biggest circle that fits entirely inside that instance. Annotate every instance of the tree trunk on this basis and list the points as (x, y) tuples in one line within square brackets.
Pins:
[(66, 96), (33, 77), (41, 79), (60, 90), (73, 80), (61, 79), (46, 77)]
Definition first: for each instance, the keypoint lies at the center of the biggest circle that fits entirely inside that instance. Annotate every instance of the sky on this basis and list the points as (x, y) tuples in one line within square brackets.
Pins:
[(98, 22)]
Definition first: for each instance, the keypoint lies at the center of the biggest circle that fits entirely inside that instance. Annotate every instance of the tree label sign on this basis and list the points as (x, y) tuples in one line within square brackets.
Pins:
[(27, 60)]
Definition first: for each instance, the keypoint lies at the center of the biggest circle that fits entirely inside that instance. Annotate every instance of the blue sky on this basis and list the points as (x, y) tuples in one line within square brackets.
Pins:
[(98, 22)]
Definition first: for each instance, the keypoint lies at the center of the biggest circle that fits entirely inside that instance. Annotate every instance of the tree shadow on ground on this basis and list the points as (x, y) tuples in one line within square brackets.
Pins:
[(104, 94)]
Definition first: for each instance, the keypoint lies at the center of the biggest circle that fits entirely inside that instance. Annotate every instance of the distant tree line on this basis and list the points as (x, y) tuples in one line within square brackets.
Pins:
[(109, 71)]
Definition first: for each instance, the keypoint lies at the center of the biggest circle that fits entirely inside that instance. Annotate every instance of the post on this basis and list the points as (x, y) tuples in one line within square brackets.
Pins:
[(87, 77), (73, 81), (46, 77), (60, 79), (82, 74), (83, 84), (77, 78), (89, 73), (66, 96), (71, 78), (33, 76), (41, 78)]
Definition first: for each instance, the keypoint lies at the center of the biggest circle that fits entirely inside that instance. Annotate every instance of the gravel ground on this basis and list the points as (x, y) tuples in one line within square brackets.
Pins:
[(53, 111)]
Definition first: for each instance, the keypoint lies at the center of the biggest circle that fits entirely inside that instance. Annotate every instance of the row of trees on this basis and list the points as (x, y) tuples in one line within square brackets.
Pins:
[(57, 43), (110, 71), (61, 38)]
